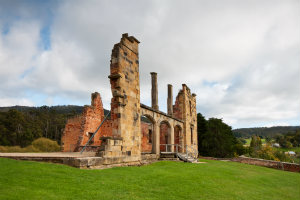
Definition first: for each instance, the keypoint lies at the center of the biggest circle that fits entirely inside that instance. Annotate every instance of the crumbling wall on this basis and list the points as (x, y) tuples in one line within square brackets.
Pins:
[(125, 103), (79, 129), (71, 134), (124, 134), (93, 116), (185, 109), (178, 106)]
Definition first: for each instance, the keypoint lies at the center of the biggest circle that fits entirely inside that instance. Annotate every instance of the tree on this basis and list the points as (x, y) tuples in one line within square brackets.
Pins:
[(242, 140), (201, 128), (215, 138), (255, 143), (268, 139)]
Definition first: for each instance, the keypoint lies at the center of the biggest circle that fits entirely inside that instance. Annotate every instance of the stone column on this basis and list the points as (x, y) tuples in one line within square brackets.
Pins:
[(154, 91), (170, 100), (171, 136), (156, 140)]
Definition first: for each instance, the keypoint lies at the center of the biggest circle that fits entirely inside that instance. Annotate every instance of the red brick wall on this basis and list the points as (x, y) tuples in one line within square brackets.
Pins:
[(77, 129), (293, 167), (163, 133), (146, 146), (176, 135), (72, 133), (178, 107)]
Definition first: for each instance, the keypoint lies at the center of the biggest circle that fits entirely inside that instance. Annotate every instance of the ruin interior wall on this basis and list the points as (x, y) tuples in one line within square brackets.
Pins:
[(146, 134), (79, 129)]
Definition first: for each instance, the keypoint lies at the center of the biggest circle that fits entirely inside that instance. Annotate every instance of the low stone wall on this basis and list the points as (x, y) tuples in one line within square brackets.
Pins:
[(89, 148), (149, 158), (293, 167), (87, 160)]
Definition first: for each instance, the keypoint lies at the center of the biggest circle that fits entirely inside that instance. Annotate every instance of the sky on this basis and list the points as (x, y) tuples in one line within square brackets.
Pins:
[(241, 57)]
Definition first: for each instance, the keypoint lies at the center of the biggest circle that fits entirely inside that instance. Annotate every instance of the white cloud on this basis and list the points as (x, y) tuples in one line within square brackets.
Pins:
[(15, 101), (242, 58)]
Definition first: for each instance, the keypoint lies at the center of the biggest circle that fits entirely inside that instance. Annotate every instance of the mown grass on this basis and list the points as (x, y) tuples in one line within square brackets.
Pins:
[(161, 180)]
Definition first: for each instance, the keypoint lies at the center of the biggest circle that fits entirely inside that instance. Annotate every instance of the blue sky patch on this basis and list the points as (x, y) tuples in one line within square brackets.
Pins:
[(5, 29), (45, 35)]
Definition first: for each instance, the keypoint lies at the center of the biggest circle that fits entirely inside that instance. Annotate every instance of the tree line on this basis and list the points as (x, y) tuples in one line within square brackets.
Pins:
[(21, 125), (265, 131)]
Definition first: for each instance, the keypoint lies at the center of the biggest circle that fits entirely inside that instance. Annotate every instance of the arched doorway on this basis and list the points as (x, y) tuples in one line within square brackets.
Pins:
[(147, 134), (164, 133)]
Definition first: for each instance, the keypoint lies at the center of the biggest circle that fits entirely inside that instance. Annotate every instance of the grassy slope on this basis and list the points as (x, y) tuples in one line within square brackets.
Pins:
[(162, 180)]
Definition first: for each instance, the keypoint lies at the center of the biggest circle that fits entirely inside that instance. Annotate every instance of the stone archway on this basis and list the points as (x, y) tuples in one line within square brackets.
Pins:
[(147, 134), (164, 136)]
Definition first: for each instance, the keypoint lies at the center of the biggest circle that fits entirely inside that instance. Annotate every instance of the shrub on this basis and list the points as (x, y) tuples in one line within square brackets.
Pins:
[(45, 145), (30, 148), (266, 153), (10, 149), (282, 156)]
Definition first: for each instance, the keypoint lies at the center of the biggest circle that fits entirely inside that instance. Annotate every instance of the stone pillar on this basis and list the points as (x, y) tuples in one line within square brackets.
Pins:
[(171, 136), (170, 100), (125, 102), (156, 141), (154, 91)]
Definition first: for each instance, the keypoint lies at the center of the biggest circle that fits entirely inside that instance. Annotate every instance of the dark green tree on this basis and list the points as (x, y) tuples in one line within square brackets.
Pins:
[(216, 139)]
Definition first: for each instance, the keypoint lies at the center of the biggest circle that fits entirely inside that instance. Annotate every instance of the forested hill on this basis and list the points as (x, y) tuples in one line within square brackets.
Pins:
[(264, 131), (20, 125), (58, 109)]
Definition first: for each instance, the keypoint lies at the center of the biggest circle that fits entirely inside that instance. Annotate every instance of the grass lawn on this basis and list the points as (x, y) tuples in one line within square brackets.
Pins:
[(161, 180)]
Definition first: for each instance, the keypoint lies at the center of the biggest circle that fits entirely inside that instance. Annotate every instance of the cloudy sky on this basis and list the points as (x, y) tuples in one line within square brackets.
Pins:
[(241, 57)]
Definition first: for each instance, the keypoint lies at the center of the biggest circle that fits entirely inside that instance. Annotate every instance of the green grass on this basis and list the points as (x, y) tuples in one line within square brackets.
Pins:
[(248, 140), (161, 180), (295, 149)]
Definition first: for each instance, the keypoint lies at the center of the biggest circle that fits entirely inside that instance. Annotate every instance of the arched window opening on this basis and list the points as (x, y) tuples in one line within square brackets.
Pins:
[(147, 128)]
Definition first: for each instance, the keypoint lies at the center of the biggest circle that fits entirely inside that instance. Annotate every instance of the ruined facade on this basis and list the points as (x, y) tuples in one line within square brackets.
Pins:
[(133, 129)]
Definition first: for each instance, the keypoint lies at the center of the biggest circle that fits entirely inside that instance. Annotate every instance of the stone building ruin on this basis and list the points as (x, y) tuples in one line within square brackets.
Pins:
[(133, 129)]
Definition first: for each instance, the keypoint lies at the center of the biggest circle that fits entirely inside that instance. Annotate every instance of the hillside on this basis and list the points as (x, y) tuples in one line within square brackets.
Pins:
[(264, 131), (20, 125), (58, 109)]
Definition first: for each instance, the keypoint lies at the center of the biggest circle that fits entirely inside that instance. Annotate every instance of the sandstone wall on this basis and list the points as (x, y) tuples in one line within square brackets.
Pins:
[(125, 104), (185, 109)]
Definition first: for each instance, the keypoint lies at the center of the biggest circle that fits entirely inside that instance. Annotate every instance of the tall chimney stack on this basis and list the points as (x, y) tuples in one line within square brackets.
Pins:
[(154, 91), (170, 100)]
